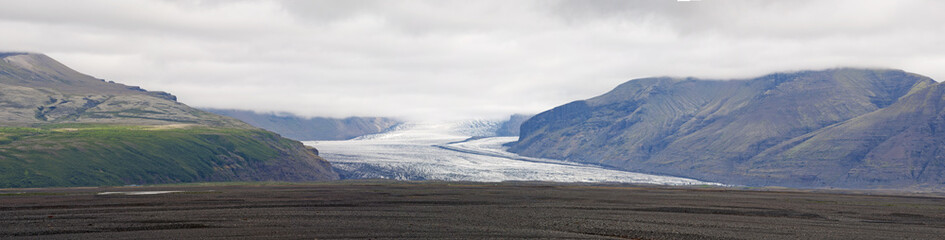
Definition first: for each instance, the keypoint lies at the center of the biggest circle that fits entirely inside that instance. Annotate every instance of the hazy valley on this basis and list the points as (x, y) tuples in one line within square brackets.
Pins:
[(316, 128)]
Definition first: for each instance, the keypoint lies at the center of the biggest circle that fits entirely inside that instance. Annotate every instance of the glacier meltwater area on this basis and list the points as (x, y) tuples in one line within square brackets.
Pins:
[(461, 151)]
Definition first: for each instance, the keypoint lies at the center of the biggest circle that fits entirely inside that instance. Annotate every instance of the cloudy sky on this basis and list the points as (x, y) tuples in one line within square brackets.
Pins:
[(458, 59)]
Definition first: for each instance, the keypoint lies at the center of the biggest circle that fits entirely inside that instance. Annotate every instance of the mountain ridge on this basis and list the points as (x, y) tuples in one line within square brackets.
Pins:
[(37, 89), (708, 129), (59, 127)]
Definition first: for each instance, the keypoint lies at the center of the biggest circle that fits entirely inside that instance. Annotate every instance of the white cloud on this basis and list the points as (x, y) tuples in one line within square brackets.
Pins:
[(458, 59)]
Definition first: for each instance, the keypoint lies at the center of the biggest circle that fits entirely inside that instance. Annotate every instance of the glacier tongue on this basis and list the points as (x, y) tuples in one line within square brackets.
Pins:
[(461, 151)]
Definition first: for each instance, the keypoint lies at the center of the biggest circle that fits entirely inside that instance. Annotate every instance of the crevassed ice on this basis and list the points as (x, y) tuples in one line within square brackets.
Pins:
[(444, 151)]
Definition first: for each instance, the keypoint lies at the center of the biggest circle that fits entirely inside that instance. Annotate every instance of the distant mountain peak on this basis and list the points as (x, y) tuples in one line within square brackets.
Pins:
[(23, 59), (7, 54), (38, 63), (36, 89), (311, 128)]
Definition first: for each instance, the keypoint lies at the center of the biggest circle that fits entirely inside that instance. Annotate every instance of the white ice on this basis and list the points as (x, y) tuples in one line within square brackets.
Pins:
[(137, 193), (444, 151)]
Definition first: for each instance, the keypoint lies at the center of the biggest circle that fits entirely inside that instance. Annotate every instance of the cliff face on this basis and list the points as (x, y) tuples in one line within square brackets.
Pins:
[(59, 127), (729, 131)]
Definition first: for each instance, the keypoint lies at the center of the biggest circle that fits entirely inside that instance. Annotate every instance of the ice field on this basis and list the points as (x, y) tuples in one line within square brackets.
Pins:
[(448, 151)]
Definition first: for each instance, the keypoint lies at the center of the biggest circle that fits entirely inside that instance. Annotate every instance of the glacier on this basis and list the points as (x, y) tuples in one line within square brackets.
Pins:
[(462, 151)]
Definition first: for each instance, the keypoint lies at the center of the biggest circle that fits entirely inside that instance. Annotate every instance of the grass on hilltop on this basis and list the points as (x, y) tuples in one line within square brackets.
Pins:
[(98, 154)]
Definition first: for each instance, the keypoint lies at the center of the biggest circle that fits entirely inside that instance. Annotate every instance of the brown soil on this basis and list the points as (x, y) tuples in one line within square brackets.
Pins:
[(465, 210)]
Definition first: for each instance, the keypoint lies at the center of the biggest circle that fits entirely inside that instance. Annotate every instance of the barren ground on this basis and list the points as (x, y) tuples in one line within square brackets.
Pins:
[(465, 210)]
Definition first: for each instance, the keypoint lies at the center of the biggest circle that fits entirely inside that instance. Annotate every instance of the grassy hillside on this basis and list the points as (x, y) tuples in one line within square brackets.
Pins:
[(92, 155), (59, 127)]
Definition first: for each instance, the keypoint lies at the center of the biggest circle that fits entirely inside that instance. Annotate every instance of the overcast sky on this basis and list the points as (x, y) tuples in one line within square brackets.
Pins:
[(458, 59)]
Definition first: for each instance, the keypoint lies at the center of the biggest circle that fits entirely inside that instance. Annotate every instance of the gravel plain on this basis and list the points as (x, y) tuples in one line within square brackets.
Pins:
[(454, 210)]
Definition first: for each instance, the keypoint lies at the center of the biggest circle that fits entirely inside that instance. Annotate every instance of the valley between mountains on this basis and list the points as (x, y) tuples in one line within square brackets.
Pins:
[(451, 151), (835, 128), (656, 158), (445, 119)]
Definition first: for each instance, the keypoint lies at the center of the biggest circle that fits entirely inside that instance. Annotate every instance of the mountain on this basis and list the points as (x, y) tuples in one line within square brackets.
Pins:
[(512, 126), (831, 128), (59, 127), (307, 129), (899, 145)]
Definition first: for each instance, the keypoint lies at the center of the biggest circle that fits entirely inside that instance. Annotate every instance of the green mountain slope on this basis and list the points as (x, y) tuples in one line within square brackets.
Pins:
[(709, 129), (59, 127), (81, 155)]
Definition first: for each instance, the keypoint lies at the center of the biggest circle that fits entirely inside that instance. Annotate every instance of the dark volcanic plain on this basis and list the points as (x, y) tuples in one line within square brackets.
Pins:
[(466, 210)]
